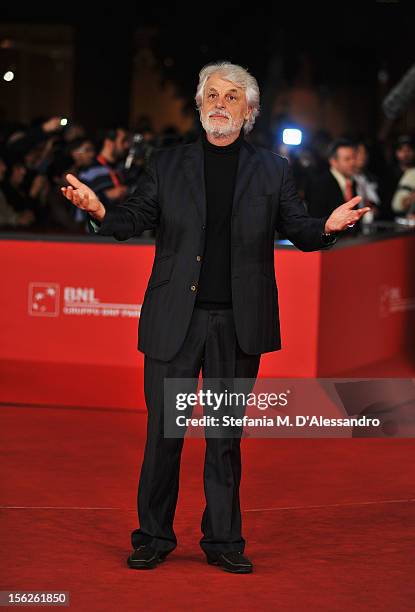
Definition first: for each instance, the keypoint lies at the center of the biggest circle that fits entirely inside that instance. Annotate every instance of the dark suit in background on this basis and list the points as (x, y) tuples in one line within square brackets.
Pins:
[(324, 194)]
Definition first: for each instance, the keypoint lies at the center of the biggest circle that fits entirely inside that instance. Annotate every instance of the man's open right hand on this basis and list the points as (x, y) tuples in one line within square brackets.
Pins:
[(83, 197)]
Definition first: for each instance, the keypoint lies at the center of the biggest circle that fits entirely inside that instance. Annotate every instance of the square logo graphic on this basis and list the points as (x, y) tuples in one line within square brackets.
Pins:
[(44, 299)]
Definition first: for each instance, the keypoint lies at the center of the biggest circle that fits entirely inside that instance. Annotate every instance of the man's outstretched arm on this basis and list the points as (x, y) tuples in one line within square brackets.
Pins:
[(139, 212), (304, 231)]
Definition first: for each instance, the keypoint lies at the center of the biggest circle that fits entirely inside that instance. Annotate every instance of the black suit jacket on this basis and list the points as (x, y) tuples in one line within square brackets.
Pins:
[(323, 194), (170, 196)]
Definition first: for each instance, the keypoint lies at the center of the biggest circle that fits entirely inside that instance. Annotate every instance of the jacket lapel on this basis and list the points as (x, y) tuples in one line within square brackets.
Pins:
[(193, 166)]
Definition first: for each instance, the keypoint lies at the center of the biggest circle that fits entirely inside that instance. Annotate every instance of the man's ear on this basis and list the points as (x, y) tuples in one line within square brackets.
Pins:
[(248, 113)]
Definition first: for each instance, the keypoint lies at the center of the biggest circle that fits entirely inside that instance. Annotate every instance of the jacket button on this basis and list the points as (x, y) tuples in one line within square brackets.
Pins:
[(193, 287), (203, 226), (198, 257)]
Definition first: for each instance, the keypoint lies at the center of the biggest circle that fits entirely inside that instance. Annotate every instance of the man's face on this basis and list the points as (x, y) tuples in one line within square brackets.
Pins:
[(84, 155), (73, 131), (361, 157), (18, 173), (405, 155), (32, 157), (121, 144), (344, 161), (224, 107)]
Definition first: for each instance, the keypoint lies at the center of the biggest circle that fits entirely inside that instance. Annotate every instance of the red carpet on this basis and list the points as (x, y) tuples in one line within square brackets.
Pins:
[(329, 523)]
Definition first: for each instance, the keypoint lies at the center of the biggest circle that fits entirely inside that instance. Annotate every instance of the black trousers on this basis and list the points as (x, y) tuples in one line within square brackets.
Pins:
[(210, 344)]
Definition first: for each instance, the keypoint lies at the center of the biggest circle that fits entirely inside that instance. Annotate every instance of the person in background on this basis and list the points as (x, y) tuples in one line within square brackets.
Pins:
[(22, 140), (73, 131), (320, 143), (404, 154), (335, 185), (309, 161), (82, 152), (9, 217), (35, 146), (403, 201), (104, 175), (366, 183), (305, 166), (404, 160), (150, 140), (13, 185), (37, 160)]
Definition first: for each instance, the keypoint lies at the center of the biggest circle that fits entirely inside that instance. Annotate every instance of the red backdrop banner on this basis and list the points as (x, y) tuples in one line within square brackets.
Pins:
[(70, 310)]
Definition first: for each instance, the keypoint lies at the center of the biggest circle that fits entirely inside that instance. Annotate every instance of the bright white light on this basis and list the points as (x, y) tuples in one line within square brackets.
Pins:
[(291, 136), (8, 76), (64, 121)]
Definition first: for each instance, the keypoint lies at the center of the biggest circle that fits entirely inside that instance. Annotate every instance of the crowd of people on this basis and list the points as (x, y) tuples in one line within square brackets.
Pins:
[(346, 167), (35, 159)]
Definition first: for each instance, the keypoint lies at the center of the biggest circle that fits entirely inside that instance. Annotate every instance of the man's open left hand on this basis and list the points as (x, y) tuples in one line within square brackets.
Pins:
[(345, 215)]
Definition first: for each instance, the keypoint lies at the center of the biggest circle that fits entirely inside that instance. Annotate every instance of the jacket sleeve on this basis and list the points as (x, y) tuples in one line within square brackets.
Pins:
[(139, 212), (293, 220)]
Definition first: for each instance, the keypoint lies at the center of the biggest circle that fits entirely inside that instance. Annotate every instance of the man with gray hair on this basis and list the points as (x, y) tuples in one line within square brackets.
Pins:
[(211, 301)]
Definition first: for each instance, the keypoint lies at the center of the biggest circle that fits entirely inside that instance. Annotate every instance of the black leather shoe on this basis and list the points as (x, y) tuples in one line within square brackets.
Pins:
[(231, 561), (145, 557)]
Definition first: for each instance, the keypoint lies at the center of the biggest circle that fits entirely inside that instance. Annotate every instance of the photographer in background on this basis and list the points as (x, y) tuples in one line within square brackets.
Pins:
[(82, 152), (367, 183), (105, 175), (393, 176), (404, 197), (11, 218)]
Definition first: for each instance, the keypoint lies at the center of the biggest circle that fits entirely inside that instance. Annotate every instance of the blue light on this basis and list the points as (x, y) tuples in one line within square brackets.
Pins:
[(292, 136)]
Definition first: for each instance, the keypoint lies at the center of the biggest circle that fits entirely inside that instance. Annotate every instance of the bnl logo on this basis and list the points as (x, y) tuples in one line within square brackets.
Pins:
[(44, 298), (80, 295)]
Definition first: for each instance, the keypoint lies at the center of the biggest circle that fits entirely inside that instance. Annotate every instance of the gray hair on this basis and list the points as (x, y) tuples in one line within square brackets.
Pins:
[(238, 75)]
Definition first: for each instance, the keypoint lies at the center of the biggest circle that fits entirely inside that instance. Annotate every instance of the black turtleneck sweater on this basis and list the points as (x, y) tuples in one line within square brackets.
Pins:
[(221, 164)]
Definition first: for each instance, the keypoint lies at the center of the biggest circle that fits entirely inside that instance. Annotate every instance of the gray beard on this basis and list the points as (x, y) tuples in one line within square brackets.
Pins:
[(218, 131)]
